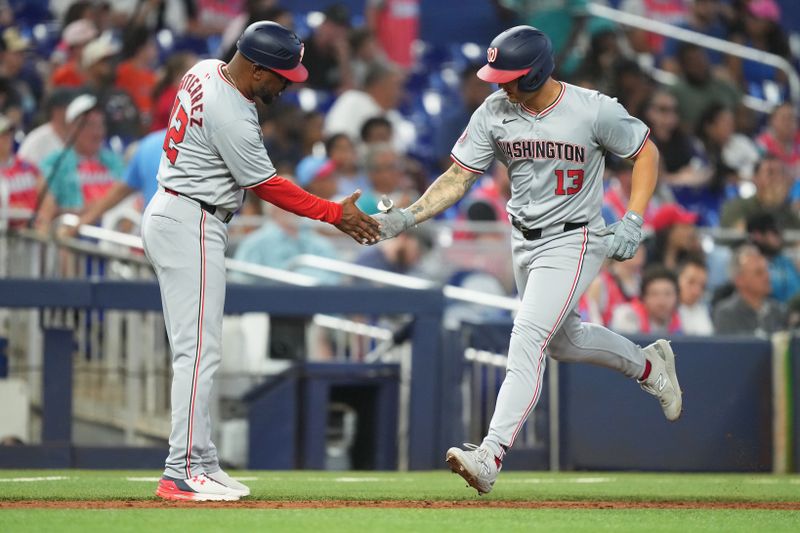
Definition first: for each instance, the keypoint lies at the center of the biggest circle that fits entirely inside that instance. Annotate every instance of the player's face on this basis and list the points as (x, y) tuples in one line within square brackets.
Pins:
[(513, 93), (268, 85)]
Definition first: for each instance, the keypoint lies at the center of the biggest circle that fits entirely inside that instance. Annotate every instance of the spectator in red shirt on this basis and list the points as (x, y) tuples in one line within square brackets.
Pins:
[(657, 309), (166, 89), (75, 37), (136, 74), (396, 25), (782, 137), (19, 180)]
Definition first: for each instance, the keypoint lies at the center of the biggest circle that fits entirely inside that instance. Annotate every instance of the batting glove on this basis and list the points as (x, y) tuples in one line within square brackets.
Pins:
[(393, 222), (623, 237)]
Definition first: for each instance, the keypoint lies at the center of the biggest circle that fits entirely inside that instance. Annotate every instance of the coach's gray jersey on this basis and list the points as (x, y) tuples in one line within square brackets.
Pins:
[(555, 158), (213, 148)]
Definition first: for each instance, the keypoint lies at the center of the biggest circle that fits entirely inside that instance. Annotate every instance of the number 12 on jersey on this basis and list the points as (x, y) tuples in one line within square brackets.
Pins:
[(176, 132), (574, 181)]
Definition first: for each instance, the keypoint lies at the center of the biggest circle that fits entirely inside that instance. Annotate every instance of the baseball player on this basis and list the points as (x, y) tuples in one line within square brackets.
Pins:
[(552, 136), (212, 153)]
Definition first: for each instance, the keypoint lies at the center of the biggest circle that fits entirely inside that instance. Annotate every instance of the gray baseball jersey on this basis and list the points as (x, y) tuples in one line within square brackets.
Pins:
[(555, 161), (555, 158), (213, 148)]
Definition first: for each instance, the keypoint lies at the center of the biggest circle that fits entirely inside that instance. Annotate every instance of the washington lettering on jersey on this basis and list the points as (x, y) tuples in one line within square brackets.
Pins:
[(542, 149), (556, 157)]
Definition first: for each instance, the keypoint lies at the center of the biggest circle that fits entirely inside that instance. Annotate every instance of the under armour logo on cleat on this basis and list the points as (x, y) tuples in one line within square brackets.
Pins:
[(507, 120)]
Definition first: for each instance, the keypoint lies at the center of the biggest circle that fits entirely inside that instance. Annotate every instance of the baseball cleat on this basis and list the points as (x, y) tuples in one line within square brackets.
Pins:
[(200, 488), (663, 381), (221, 477), (476, 465)]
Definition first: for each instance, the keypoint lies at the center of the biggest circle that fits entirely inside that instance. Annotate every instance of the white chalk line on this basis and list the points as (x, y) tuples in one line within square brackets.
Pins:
[(31, 479)]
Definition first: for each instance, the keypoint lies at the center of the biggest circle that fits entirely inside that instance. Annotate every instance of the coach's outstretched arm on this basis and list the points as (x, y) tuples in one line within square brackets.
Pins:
[(344, 215), (448, 188), (625, 235)]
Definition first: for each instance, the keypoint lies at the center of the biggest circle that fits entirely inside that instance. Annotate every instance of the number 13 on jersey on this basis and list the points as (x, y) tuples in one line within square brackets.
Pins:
[(572, 184)]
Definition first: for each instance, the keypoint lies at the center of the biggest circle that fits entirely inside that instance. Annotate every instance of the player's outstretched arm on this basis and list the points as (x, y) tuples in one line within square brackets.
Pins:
[(448, 188), (443, 193)]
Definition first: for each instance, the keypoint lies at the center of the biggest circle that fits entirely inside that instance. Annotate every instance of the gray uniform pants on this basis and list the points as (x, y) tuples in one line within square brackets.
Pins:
[(186, 246), (551, 274)]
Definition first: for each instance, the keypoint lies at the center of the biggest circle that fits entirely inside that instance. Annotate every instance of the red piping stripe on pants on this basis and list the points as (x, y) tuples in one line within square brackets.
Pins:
[(549, 335), (199, 352)]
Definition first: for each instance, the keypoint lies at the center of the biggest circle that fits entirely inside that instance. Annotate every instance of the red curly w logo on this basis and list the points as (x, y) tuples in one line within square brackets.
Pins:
[(491, 55)]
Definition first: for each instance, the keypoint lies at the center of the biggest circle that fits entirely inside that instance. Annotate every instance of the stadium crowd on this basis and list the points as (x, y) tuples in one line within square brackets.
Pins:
[(86, 89)]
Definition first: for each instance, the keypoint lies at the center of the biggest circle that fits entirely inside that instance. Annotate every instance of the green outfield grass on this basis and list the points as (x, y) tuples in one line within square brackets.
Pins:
[(41, 485)]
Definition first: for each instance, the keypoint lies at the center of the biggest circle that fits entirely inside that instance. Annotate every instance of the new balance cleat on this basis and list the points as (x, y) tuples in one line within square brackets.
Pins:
[(476, 465), (663, 380)]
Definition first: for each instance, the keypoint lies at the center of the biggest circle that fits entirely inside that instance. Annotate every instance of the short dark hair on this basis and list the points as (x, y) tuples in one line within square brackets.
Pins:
[(709, 115), (684, 49), (371, 123), (692, 260), (656, 273), (377, 72), (330, 141)]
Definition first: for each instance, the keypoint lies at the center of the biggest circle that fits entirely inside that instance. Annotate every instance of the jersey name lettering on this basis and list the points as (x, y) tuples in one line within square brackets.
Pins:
[(191, 84), (541, 149)]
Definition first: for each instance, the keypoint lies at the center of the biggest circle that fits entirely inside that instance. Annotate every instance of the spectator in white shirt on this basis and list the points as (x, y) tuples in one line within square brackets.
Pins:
[(50, 136), (383, 89), (693, 310)]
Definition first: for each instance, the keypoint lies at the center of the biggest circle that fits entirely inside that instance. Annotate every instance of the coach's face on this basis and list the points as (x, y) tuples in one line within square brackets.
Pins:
[(268, 85)]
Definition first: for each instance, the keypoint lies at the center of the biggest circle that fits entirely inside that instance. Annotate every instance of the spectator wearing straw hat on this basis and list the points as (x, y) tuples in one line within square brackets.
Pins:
[(74, 38), (122, 116), (22, 73)]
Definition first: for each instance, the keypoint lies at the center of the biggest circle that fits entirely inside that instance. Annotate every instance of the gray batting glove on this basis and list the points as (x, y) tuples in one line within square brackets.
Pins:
[(623, 237), (393, 222)]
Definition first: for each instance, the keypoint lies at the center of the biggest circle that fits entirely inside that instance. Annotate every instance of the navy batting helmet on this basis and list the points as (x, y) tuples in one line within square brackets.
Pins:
[(274, 47), (520, 52)]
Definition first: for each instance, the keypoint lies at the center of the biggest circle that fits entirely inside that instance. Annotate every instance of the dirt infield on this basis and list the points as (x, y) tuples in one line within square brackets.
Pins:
[(397, 504)]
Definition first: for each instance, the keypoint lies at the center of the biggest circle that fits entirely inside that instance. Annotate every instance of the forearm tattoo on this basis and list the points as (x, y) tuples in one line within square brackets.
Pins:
[(444, 192)]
